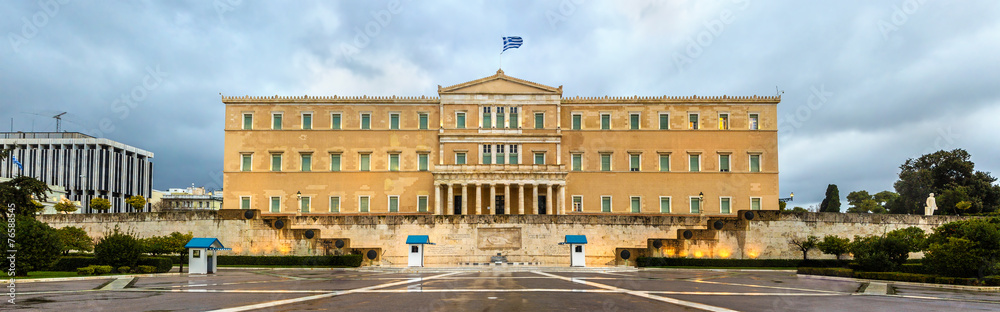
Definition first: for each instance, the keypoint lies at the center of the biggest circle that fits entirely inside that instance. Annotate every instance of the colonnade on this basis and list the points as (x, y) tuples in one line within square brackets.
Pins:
[(510, 195)]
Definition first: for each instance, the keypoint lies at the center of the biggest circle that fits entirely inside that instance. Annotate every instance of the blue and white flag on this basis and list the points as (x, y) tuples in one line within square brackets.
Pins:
[(18, 163), (511, 43)]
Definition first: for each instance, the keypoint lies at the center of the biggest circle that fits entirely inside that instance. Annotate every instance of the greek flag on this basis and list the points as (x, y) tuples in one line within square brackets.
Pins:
[(511, 43), (18, 163)]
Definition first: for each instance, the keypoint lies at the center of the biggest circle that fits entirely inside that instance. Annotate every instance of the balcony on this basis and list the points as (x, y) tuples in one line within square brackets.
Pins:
[(500, 169)]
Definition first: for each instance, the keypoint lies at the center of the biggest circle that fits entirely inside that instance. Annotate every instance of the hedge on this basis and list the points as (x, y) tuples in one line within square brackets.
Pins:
[(145, 269), (993, 280), (70, 264), (162, 264), (752, 263), (842, 272), (315, 261)]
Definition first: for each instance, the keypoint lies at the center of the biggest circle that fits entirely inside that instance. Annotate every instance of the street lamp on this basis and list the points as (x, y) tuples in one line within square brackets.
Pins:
[(787, 199), (701, 201), (298, 197)]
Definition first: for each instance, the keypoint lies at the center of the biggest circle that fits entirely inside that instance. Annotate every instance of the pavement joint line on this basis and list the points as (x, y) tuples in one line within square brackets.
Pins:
[(701, 293), (328, 295), (929, 285), (643, 294), (765, 286)]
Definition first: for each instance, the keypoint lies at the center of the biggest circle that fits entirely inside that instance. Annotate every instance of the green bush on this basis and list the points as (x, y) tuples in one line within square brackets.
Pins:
[(913, 268), (118, 249), (826, 271), (880, 253), (124, 269), (87, 270), (102, 269), (145, 269), (70, 264), (834, 245), (38, 245), (161, 264), (965, 248), (665, 261)]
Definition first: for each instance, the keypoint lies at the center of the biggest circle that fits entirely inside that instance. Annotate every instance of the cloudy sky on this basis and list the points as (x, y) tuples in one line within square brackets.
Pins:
[(867, 84)]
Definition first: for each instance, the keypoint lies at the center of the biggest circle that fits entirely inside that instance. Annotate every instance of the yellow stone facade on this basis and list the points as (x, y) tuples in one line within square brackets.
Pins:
[(501, 145)]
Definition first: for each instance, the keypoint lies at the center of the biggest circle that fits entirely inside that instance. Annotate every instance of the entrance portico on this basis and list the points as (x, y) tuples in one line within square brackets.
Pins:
[(504, 187)]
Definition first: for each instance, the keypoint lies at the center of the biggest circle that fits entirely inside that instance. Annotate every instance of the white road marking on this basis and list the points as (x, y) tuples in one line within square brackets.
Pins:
[(643, 294), (764, 286)]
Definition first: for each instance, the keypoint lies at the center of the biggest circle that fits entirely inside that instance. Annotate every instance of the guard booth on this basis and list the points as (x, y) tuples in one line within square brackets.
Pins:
[(202, 254), (577, 250), (416, 244)]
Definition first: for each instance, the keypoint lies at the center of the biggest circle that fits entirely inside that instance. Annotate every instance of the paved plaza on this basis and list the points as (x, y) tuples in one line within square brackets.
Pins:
[(522, 289)]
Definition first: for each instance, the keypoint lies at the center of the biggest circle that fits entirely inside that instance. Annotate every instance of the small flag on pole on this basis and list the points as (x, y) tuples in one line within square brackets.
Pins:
[(511, 43), (18, 163)]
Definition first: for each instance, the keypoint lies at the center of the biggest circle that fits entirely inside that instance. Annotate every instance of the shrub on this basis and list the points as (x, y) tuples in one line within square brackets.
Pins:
[(124, 269), (102, 204), (913, 268), (965, 248), (70, 264), (881, 253), (74, 238), (953, 258), (834, 245), (38, 245), (160, 264), (145, 269), (664, 261), (826, 271), (87, 270), (137, 202), (118, 249), (102, 269)]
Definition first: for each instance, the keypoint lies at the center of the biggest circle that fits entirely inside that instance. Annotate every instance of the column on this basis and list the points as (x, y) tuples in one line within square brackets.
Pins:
[(465, 199), (562, 199), (520, 198), (534, 199), (479, 198), (451, 200), (548, 200), (506, 198), (437, 199), (493, 199)]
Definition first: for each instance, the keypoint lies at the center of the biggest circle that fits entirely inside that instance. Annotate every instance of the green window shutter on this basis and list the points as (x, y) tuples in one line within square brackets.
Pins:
[(394, 121), (665, 205), (393, 204), (422, 204), (423, 121), (755, 204), (245, 203), (577, 162), (500, 120), (539, 158), (336, 122), (664, 121), (634, 121), (305, 204), (605, 204), (605, 122), (306, 162), (577, 122), (724, 205), (334, 204), (635, 205), (363, 204), (366, 162), (460, 158), (422, 159), (275, 204), (633, 162), (487, 120), (246, 162), (695, 205), (335, 162), (307, 122), (393, 162), (366, 122), (694, 163), (539, 120), (513, 121), (605, 162), (724, 163), (664, 163), (460, 121), (247, 121), (276, 162), (754, 163), (513, 158), (487, 158), (276, 123)]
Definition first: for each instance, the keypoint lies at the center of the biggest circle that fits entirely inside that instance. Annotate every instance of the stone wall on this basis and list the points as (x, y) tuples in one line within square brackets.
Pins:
[(522, 238)]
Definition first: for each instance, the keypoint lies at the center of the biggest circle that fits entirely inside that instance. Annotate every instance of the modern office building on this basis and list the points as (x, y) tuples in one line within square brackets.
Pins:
[(85, 166), (501, 145)]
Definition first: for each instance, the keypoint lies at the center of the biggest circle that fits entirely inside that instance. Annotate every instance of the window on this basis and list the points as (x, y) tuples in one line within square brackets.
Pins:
[(664, 162), (460, 158), (422, 203), (276, 121), (512, 156), (275, 162), (693, 121), (577, 203), (664, 121), (605, 121), (723, 163), (334, 203), (306, 203), (605, 203), (633, 121), (307, 121), (366, 121), (605, 162), (393, 162), (754, 203), (539, 120), (664, 204), (422, 162), (394, 121), (577, 121), (487, 154), (365, 163), (245, 202), (363, 204), (335, 121), (754, 163), (723, 121), (754, 122), (500, 123), (275, 204), (539, 158), (513, 117), (422, 117), (724, 204), (577, 162), (633, 162), (247, 161), (695, 205), (393, 203), (636, 204), (500, 153), (247, 121), (334, 162), (694, 163), (487, 118), (460, 120), (306, 162)]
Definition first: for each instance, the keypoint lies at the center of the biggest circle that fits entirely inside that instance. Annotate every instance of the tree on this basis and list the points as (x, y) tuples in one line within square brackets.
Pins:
[(834, 245), (176, 242), (74, 238), (38, 245), (65, 206), (832, 201), (799, 209), (118, 248), (782, 205), (137, 202), (98, 203), (964, 248), (20, 192), (804, 245), (862, 202), (939, 173)]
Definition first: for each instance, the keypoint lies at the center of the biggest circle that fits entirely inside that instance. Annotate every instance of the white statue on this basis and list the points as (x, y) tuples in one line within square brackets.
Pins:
[(931, 206)]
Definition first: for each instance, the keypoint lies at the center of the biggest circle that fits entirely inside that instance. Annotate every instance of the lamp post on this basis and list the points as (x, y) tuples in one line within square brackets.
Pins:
[(787, 199), (298, 197), (701, 203)]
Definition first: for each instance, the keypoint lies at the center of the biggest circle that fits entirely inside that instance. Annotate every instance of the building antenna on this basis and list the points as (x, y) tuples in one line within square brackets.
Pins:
[(59, 121), (778, 92)]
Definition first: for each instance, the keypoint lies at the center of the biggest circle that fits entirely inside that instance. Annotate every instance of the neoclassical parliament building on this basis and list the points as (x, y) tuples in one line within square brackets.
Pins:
[(501, 145)]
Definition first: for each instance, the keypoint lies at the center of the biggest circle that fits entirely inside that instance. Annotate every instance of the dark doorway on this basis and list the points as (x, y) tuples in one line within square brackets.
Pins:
[(499, 205), (541, 204), (458, 205)]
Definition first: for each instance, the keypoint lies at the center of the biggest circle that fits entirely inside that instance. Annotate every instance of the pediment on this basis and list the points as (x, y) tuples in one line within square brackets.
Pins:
[(499, 84)]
